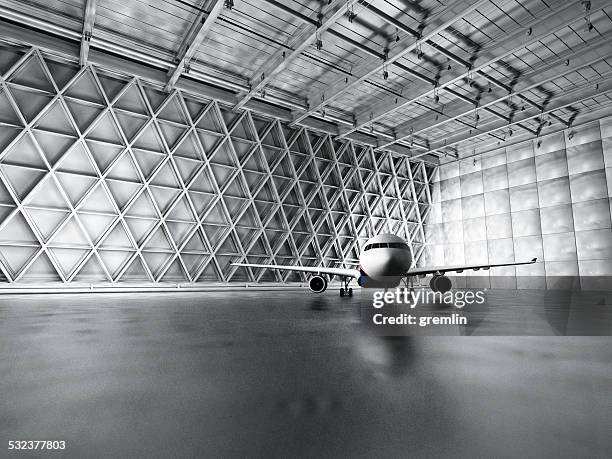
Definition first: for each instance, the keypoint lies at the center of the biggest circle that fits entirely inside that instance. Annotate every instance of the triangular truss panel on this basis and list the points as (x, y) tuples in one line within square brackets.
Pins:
[(106, 178)]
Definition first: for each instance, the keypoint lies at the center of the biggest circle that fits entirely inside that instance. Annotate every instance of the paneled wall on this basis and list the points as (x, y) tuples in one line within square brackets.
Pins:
[(551, 202), (105, 177)]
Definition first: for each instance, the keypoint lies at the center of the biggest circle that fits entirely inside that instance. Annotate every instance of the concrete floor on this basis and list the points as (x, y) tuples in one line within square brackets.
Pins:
[(265, 374)]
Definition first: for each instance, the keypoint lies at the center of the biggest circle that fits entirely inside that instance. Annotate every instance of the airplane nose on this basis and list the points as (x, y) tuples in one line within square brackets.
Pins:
[(394, 264)]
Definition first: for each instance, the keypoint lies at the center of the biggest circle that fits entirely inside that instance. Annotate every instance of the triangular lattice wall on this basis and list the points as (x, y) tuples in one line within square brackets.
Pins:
[(106, 178)]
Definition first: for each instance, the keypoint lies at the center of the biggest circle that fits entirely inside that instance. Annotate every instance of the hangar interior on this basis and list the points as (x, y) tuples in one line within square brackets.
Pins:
[(158, 142), (146, 145)]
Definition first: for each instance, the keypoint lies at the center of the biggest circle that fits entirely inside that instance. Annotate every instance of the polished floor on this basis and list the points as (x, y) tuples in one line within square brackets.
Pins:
[(290, 374)]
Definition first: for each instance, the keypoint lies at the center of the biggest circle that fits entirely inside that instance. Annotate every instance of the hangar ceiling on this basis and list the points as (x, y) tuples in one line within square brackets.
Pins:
[(425, 78)]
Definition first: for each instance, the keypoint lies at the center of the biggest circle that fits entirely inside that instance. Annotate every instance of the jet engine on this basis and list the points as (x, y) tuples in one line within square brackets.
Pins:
[(440, 284), (317, 284)]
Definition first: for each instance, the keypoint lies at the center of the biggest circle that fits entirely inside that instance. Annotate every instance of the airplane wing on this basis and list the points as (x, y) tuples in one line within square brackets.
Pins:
[(342, 272), (460, 268)]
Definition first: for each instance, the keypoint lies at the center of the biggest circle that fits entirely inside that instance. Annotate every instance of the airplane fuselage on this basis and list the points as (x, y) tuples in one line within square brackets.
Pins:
[(384, 261)]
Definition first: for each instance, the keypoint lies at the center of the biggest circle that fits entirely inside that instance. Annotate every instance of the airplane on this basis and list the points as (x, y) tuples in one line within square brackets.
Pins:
[(384, 262)]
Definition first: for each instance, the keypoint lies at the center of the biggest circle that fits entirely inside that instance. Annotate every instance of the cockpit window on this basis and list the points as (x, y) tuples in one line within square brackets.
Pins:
[(381, 245), (398, 245)]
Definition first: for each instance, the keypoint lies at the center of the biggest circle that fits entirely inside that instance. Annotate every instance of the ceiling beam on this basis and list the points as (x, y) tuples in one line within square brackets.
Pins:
[(194, 38), (301, 40), (580, 57), (436, 48), (436, 24), (559, 17), (89, 18), (592, 89)]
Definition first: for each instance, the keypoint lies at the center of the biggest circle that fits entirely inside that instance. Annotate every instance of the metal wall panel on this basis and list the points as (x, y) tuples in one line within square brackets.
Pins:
[(554, 192), (497, 202), (561, 269), (435, 214), (494, 159), (557, 219), (470, 165), (595, 267), (450, 189), (433, 233), (551, 143), (451, 210), (551, 165), (588, 186), (448, 171), (454, 254), (495, 178), (528, 247), (474, 229), (526, 223), (519, 152), (524, 197), (431, 254), (476, 252), (585, 157), (471, 184), (585, 134), (559, 247), (605, 126), (104, 177), (594, 244), (473, 206), (501, 250), (521, 172), (499, 226), (606, 146), (592, 214), (453, 232)]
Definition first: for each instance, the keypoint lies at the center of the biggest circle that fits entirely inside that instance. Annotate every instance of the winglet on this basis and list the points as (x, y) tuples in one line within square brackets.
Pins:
[(534, 260)]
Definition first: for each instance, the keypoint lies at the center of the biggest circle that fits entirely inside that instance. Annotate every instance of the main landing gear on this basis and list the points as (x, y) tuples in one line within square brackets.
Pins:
[(345, 290)]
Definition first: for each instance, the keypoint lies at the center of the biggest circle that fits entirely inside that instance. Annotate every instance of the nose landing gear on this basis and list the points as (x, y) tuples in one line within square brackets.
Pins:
[(345, 290)]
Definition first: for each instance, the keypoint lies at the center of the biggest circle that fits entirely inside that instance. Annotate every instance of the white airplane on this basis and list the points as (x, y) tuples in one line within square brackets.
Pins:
[(384, 262)]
